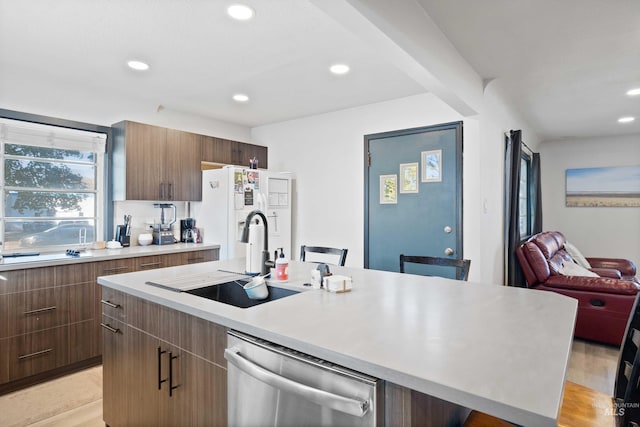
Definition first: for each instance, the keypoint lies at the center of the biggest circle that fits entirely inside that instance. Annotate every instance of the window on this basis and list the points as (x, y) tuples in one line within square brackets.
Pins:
[(524, 197), (52, 185)]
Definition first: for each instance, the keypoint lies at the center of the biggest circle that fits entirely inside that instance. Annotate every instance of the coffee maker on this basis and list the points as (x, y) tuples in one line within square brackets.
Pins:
[(188, 231)]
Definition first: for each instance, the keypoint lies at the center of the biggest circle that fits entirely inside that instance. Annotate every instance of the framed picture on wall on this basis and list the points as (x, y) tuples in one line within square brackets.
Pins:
[(431, 166), (388, 189), (408, 177), (617, 186)]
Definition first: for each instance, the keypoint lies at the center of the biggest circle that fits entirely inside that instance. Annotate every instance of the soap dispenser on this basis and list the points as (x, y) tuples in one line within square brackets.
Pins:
[(282, 264)]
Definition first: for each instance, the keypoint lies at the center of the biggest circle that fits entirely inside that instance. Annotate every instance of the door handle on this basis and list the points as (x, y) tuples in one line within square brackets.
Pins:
[(324, 398), (110, 328), (160, 380), (171, 386), (448, 251)]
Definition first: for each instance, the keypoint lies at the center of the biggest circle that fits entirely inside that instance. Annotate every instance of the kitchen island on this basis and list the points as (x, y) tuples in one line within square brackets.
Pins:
[(496, 349)]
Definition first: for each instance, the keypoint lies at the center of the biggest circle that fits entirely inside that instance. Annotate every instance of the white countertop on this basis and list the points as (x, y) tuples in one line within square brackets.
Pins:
[(60, 258), (497, 349)]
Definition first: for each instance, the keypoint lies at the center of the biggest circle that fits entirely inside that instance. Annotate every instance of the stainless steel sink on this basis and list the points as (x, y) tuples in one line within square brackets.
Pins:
[(233, 294)]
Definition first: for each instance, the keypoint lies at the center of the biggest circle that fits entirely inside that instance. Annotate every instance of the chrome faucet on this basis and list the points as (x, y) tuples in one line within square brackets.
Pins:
[(266, 263)]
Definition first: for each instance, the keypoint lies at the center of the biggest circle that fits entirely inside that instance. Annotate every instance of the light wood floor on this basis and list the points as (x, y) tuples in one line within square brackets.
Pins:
[(76, 400)]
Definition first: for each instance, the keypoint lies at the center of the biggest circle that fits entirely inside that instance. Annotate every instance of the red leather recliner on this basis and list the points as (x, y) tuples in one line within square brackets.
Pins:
[(604, 303)]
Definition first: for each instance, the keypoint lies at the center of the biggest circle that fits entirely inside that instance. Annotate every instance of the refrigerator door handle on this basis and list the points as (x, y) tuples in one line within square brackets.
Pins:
[(336, 402)]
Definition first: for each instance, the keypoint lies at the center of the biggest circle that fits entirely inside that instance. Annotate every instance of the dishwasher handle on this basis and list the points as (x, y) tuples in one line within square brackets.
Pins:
[(347, 405)]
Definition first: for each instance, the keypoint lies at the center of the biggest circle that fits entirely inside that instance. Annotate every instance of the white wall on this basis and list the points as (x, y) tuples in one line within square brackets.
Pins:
[(602, 231), (326, 153), (105, 109), (497, 119)]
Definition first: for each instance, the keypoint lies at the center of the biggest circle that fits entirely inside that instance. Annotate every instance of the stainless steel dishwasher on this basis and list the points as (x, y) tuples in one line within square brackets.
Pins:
[(270, 385)]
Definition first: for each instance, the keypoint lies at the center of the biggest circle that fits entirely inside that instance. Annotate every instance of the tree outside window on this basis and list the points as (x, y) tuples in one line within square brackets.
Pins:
[(50, 191)]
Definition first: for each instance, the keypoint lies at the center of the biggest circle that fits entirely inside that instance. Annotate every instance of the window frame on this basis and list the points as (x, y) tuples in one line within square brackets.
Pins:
[(104, 207)]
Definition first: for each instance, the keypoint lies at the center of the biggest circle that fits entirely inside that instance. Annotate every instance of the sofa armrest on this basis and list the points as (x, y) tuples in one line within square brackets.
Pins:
[(607, 272), (592, 284), (624, 266)]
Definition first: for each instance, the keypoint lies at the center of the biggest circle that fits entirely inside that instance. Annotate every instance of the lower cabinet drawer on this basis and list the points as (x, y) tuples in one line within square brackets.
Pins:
[(32, 311), (202, 256), (30, 354), (113, 303)]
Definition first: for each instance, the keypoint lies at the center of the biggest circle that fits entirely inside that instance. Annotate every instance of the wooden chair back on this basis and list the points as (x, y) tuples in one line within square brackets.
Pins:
[(341, 253), (461, 265)]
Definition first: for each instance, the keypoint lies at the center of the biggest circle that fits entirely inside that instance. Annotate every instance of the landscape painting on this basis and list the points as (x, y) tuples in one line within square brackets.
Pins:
[(609, 186)]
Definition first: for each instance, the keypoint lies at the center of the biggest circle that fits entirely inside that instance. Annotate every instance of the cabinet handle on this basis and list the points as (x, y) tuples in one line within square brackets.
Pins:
[(110, 304), (110, 328), (150, 264), (108, 270), (171, 191), (171, 386), (198, 258), (37, 353), (160, 380), (162, 191), (39, 310)]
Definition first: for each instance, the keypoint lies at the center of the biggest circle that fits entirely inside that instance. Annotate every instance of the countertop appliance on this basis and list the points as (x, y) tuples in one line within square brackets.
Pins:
[(230, 193), (188, 230), (270, 385), (163, 231)]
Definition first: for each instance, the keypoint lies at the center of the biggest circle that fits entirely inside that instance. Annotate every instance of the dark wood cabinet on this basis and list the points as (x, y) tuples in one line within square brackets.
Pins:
[(182, 166), (200, 256), (245, 152), (218, 150), (228, 152), (160, 164), (114, 376), (150, 360), (50, 317), (33, 353), (139, 153), (155, 163)]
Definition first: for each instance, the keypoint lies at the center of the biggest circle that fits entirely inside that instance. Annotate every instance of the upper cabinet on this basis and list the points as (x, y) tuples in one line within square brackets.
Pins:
[(155, 163), (160, 164), (228, 152), (183, 171)]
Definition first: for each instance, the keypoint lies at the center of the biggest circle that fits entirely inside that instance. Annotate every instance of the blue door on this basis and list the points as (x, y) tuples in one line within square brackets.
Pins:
[(413, 197)]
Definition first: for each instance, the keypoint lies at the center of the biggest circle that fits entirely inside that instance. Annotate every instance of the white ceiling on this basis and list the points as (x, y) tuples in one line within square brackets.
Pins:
[(566, 65)]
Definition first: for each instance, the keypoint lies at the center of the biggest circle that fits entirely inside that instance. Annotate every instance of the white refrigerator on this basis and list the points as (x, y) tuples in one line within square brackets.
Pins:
[(230, 193)]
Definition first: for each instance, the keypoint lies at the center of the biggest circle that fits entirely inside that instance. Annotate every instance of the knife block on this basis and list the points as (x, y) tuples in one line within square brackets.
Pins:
[(121, 236)]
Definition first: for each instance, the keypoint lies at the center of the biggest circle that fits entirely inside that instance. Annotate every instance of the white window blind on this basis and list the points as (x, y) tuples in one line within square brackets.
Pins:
[(34, 134)]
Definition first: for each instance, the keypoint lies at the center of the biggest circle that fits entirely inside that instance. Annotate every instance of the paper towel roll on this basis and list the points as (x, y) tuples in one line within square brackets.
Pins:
[(254, 248)]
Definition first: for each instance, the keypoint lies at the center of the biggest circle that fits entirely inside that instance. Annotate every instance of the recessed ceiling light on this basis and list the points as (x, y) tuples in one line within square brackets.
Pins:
[(339, 69), (240, 12), (138, 65), (240, 97), (626, 119), (633, 92)]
